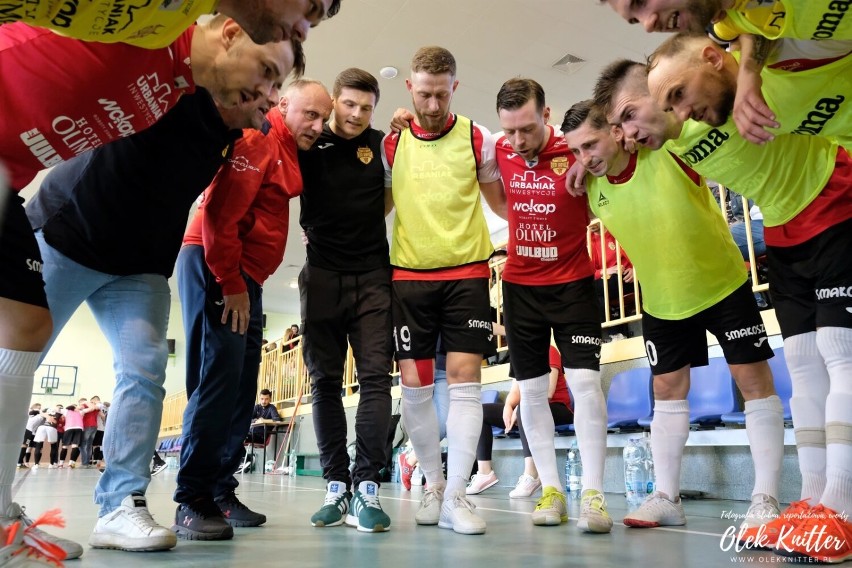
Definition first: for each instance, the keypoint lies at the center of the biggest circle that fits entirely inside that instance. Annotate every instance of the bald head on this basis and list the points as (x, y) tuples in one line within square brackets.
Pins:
[(693, 77), (306, 106)]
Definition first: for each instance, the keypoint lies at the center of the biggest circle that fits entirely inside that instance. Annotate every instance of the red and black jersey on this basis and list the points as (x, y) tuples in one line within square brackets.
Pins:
[(547, 226), (62, 97)]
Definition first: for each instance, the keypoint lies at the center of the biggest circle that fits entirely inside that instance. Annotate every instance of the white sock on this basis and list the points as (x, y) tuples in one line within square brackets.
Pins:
[(669, 431), (589, 424), (421, 423), (765, 430), (464, 425), (835, 345), (538, 428), (16, 386), (810, 391)]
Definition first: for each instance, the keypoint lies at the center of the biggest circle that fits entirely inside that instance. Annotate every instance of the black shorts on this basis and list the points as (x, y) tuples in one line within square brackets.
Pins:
[(569, 311), (457, 309), (20, 259), (29, 435), (99, 438), (735, 321), (811, 283), (72, 437)]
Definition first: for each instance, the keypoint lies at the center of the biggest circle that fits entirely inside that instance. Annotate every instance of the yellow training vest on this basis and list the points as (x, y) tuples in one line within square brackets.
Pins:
[(150, 24), (799, 19), (674, 233), (782, 176), (439, 221)]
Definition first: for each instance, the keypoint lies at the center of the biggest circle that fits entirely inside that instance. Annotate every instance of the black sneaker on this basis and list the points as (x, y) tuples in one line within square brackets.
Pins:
[(158, 467), (236, 513), (201, 520)]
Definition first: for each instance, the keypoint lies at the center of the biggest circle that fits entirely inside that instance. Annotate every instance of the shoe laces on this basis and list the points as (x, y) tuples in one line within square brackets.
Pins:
[(525, 481), (141, 516), (333, 498), (430, 497), (204, 508), (461, 502), (762, 508), (231, 499), (370, 500), (594, 503), (547, 500)]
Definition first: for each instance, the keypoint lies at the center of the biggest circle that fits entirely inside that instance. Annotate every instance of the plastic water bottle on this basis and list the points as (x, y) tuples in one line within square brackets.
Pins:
[(635, 473), (573, 472), (639, 478)]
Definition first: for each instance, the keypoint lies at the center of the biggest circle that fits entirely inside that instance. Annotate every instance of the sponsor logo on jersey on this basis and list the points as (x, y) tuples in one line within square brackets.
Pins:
[(40, 147), (761, 341), (122, 14), (544, 253), (559, 165), (120, 119), (365, 154), (829, 21), (529, 180), (155, 94), (602, 200), (429, 170), (479, 324), (326, 145), (241, 164), (824, 110), (171, 5), (585, 340), (534, 232), (837, 292), (705, 147), (533, 207), (745, 332)]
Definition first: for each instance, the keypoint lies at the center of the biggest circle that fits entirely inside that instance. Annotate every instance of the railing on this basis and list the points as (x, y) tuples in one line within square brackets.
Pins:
[(283, 371)]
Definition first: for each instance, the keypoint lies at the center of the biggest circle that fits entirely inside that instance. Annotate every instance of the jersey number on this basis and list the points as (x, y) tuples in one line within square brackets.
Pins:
[(651, 350), (404, 335)]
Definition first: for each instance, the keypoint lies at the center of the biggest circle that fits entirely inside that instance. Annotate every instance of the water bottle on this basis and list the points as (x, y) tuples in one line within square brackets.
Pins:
[(650, 478), (573, 472), (635, 473)]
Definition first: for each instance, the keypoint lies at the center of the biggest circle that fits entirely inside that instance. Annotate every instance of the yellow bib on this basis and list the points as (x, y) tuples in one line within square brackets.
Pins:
[(144, 23), (439, 221), (674, 233), (799, 19)]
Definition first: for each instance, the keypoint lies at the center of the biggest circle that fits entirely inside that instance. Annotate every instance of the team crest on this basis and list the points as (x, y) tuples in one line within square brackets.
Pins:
[(365, 155), (559, 165)]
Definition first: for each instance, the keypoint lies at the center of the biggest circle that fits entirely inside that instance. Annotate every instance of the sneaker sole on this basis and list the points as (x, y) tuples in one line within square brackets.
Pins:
[(352, 521), (585, 526), (471, 531), (525, 495), (116, 542), (187, 534), (635, 523), (492, 484), (550, 520), (242, 523), (323, 524)]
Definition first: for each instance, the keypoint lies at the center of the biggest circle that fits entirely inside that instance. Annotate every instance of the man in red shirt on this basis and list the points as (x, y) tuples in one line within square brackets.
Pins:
[(61, 97), (548, 287), (234, 242)]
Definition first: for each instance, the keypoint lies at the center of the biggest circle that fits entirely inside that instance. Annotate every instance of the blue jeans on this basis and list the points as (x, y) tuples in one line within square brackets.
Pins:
[(133, 313), (738, 231), (221, 381)]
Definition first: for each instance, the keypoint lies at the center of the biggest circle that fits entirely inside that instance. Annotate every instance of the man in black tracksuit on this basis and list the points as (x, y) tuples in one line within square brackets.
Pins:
[(345, 293)]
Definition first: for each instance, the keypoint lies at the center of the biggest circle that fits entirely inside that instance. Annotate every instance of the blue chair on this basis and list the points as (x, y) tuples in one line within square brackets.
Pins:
[(783, 387), (489, 397), (712, 394), (630, 399)]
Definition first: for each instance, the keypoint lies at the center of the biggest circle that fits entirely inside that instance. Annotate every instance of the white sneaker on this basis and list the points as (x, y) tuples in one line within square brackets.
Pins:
[(457, 514), (480, 482), (15, 512), (429, 512), (657, 511), (526, 486), (762, 510), (594, 517), (34, 467), (131, 527), (18, 551), (52, 466)]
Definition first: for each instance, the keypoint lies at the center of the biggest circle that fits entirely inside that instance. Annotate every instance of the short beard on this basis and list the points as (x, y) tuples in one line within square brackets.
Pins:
[(726, 103)]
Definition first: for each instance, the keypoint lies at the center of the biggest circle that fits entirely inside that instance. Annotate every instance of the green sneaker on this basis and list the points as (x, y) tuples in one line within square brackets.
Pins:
[(336, 506), (550, 509), (366, 511), (594, 517)]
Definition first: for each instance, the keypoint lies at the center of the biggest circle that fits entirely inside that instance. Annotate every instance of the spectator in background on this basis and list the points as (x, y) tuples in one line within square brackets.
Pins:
[(33, 422), (73, 435), (508, 414), (264, 410), (609, 258), (47, 433), (738, 231), (90, 411), (288, 335)]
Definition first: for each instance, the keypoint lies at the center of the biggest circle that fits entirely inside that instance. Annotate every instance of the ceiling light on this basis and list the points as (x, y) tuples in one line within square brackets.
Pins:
[(389, 72)]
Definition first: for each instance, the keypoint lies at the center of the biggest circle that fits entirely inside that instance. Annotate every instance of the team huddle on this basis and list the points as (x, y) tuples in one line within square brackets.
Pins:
[(762, 113)]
